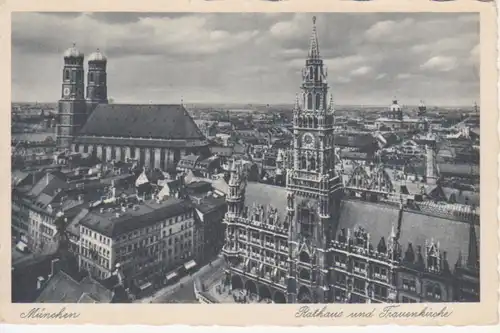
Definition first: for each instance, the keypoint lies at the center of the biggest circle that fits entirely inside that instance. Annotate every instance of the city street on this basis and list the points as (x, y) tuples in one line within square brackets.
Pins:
[(176, 294)]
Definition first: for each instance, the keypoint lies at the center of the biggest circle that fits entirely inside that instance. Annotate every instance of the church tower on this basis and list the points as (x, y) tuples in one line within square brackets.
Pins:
[(72, 108), (314, 190), (97, 91)]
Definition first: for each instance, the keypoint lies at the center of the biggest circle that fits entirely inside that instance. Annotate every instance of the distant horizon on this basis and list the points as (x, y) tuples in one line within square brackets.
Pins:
[(241, 104)]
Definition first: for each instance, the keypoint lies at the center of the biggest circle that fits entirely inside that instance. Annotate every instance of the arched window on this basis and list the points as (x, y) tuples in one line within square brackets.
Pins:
[(91, 77), (437, 292), (309, 101), (66, 74), (304, 274), (317, 74), (304, 257), (312, 163), (315, 120), (318, 101), (311, 73), (303, 162)]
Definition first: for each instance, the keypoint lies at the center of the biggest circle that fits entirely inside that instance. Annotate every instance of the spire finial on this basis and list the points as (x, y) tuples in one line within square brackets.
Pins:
[(314, 47)]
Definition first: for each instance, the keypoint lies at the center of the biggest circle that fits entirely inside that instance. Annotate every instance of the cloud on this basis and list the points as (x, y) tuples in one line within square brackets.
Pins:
[(183, 35), (440, 63), (404, 76), (385, 31), (361, 71), (253, 56)]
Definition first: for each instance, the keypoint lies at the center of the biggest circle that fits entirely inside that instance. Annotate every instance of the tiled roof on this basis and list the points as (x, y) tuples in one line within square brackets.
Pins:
[(378, 219), (264, 194), (453, 236), (171, 122), (62, 288)]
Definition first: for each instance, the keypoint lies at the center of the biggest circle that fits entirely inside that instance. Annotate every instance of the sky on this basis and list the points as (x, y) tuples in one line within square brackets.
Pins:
[(253, 57)]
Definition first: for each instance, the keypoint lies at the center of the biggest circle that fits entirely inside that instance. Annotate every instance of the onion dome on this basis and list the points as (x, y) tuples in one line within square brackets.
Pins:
[(73, 52), (421, 106), (97, 56), (395, 106)]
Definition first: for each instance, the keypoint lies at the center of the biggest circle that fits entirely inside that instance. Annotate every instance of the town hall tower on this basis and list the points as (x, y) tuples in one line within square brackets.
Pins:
[(314, 190)]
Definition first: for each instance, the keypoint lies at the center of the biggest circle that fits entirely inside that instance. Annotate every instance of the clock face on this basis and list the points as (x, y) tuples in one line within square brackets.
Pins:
[(66, 91), (308, 140)]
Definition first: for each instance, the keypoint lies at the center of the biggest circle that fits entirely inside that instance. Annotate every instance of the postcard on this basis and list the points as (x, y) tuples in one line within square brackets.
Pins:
[(250, 163)]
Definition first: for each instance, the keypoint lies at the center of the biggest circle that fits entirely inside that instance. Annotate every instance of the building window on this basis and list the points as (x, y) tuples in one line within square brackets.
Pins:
[(309, 101), (359, 285), (408, 300), (318, 101), (91, 77), (66, 74), (409, 285)]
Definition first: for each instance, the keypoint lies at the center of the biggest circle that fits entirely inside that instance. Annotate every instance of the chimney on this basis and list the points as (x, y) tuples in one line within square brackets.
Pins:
[(55, 266), (39, 282)]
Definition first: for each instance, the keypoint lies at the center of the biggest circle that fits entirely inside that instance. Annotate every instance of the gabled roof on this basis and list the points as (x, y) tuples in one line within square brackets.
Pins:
[(62, 288), (156, 121)]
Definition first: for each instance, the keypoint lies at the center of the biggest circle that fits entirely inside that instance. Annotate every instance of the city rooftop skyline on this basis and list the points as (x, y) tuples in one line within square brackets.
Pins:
[(253, 58)]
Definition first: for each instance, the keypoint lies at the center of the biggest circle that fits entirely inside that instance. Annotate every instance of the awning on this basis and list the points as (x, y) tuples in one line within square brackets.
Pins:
[(145, 286), (190, 264), (21, 246), (171, 275)]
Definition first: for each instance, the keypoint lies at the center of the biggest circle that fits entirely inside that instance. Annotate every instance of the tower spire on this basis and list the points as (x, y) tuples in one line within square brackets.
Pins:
[(314, 45)]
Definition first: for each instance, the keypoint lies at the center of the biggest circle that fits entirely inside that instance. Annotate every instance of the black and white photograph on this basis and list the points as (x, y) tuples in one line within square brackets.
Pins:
[(244, 158)]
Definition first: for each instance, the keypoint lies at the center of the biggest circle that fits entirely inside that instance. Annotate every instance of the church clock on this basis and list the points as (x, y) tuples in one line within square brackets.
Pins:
[(66, 92), (308, 140)]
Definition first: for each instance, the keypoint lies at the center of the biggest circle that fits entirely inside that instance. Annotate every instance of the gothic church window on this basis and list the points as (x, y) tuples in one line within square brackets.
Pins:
[(312, 163), (304, 274), (304, 257), (317, 100), (311, 73), (309, 101), (316, 74), (91, 77), (303, 162), (66, 74)]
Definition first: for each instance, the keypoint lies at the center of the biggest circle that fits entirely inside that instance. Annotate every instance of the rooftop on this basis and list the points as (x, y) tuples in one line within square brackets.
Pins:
[(62, 288), (113, 221), (147, 121)]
